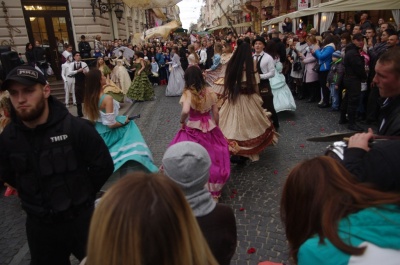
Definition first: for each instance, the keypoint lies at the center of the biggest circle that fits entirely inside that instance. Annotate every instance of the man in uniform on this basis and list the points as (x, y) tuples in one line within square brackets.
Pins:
[(56, 162), (266, 69), (78, 70)]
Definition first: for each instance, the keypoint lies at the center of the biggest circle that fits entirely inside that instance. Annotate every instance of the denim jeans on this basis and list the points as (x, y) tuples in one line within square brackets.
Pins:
[(334, 96)]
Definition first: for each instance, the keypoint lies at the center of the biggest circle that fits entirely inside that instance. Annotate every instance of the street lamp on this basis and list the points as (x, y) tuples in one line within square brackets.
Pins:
[(106, 7)]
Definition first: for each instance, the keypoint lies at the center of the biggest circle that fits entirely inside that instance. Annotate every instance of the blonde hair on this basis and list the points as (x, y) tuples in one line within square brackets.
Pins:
[(193, 51), (145, 219), (312, 39)]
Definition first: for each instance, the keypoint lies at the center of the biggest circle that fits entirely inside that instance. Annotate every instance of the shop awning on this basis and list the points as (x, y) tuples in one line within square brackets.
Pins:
[(218, 27), (339, 6), (148, 4), (245, 24)]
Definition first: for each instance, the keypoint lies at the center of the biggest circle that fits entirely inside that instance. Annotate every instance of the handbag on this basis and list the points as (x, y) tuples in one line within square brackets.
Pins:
[(297, 66), (316, 67)]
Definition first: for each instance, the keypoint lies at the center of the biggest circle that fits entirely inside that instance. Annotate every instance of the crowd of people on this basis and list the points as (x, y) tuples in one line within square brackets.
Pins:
[(231, 89)]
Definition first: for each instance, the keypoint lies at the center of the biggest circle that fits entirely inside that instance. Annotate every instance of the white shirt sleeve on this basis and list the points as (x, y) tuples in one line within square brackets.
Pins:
[(203, 56), (64, 71), (267, 66)]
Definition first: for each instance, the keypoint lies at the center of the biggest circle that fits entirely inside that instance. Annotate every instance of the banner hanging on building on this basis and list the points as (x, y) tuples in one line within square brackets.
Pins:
[(302, 4)]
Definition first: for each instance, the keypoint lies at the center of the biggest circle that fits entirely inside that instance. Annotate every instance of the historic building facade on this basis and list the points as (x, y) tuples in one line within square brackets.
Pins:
[(57, 22)]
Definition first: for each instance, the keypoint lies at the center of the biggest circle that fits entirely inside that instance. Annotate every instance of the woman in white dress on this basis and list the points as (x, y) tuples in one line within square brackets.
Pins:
[(176, 82), (283, 98), (120, 75), (193, 58)]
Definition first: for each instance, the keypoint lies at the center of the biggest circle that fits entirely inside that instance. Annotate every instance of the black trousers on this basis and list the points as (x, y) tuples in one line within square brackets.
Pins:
[(322, 77), (268, 102), (351, 98), (54, 242)]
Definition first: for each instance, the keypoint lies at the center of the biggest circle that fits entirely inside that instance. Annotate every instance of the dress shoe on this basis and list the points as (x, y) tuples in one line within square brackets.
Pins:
[(343, 121), (310, 100), (323, 105), (355, 127)]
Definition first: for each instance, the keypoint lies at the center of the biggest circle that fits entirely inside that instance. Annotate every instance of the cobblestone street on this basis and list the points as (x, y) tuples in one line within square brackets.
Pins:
[(253, 190)]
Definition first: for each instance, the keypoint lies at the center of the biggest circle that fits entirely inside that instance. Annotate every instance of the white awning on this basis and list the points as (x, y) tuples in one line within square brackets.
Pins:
[(218, 27), (339, 6), (244, 24)]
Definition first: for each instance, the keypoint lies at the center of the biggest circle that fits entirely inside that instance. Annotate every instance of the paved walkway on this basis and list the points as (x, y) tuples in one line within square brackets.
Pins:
[(253, 190)]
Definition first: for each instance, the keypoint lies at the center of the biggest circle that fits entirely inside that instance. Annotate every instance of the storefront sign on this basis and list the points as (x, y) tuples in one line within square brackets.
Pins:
[(302, 4)]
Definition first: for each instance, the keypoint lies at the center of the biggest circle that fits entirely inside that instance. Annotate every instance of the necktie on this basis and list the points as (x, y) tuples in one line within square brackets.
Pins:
[(257, 56)]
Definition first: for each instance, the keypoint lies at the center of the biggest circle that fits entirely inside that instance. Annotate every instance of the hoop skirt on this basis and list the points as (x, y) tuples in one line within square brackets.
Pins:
[(201, 129), (247, 126), (124, 143), (283, 98), (141, 89), (121, 78), (216, 78)]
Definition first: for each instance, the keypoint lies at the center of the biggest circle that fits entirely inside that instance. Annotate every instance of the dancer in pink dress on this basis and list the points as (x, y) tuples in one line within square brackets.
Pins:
[(198, 100)]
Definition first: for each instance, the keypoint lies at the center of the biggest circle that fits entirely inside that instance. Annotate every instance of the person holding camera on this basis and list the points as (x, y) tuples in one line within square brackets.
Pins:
[(299, 50)]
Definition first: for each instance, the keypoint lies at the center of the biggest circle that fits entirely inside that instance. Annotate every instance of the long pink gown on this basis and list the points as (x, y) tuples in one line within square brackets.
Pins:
[(201, 129)]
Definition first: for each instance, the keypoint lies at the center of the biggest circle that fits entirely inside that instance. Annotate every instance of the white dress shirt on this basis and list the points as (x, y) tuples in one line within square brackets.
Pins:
[(202, 55), (267, 65), (83, 65)]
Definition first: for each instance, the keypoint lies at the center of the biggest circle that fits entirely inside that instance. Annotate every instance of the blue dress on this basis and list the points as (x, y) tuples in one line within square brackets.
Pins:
[(283, 98), (124, 143)]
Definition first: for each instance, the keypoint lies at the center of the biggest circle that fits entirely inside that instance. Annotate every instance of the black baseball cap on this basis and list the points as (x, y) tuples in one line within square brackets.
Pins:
[(24, 74)]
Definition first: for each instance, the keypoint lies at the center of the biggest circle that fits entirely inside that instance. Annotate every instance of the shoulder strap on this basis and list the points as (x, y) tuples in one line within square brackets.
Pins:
[(101, 99)]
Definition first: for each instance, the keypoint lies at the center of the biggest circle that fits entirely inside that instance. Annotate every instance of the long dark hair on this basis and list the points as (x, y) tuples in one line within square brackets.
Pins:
[(318, 193), (240, 61), (27, 46), (194, 82), (328, 39), (194, 78), (272, 49), (92, 94)]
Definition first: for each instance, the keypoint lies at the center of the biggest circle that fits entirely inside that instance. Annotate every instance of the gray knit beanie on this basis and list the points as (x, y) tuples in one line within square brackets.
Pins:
[(188, 164)]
